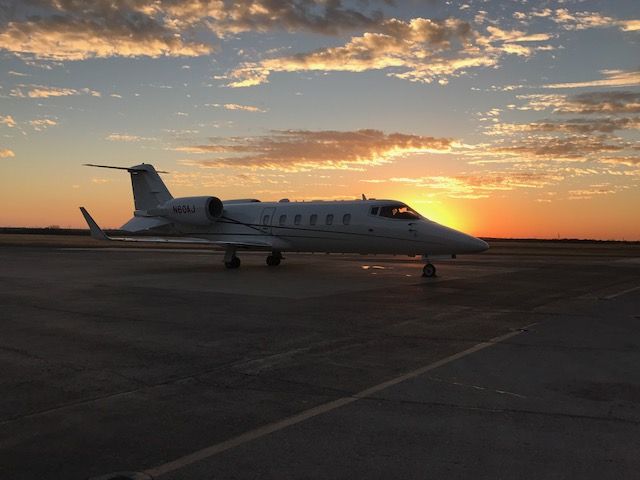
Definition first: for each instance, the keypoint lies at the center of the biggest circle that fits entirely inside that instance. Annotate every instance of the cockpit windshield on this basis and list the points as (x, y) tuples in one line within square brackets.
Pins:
[(399, 212)]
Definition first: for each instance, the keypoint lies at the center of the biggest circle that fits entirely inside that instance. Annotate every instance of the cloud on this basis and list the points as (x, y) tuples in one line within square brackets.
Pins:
[(629, 25), (581, 20), (41, 124), (41, 91), (574, 125), (6, 153), (319, 16), (235, 106), (77, 30), (300, 150), (585, 20), (603, 102), (419, 50), (477, 185), (7, 120), (571, 147), (593, 191), (81, 29), (587, 136), (123, 137), (628, 161), (614, 78), (612, 102)]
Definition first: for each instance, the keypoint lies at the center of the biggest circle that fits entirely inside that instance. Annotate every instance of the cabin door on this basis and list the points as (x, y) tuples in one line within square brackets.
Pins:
[(266, 219)]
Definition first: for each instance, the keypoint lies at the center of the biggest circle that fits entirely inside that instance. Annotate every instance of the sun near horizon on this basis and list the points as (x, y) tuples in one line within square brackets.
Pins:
[(499, 119)]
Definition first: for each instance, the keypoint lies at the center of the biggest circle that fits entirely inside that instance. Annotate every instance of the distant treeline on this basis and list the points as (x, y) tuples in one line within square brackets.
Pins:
[(53, 231), (82, 232)]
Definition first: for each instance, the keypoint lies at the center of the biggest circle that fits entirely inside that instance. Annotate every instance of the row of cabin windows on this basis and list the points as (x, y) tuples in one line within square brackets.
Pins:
[(313, 219)]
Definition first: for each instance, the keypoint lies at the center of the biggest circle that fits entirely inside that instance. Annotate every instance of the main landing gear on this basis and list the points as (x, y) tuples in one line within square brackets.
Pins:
[(230, 259), (274, 259), (429, 270)]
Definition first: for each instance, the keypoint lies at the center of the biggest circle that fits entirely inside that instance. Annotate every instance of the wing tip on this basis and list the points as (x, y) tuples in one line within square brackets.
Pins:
[(95, 231)]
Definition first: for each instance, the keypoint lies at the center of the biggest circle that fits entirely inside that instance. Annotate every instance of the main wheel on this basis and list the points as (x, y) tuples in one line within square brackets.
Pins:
[(273, 260), (429, 270), (233, 263)]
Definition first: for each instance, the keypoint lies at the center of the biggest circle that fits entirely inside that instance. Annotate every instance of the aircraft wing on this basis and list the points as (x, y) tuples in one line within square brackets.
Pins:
[(98, 234)]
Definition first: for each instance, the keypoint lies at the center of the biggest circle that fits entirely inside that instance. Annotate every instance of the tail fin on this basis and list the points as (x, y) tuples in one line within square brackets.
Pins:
[(149, 191)]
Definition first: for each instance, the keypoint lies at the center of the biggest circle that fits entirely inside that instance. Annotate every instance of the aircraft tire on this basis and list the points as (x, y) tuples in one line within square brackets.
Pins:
[(429, 270), (273, 260), (234, 263)]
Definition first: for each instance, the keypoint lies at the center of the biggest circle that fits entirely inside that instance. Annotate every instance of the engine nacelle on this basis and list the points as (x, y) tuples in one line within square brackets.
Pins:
[(192, 210)]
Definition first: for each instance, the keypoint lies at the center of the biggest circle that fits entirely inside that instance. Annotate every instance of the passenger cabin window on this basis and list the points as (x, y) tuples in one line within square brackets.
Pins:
[(265, 220), (346, 219), (398, 212), (374, 210), (297, 219), (283, 219), (313, 219), (329, 219)]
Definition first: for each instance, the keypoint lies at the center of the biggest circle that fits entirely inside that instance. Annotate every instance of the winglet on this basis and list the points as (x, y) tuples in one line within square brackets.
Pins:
[(96, 231)]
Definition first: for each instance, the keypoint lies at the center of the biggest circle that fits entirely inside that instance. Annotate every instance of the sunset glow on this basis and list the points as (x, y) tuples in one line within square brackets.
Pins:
[(501, 119)]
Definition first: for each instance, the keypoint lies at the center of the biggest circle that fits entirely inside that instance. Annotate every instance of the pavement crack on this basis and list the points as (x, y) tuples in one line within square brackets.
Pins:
[(475, 387), (568, 415)]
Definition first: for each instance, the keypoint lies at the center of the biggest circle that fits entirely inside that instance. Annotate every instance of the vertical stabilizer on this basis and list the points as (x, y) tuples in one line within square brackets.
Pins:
[(149, 191)]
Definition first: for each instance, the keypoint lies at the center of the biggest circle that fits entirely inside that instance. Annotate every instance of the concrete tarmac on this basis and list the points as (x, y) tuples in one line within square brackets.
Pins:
[(520, 362)]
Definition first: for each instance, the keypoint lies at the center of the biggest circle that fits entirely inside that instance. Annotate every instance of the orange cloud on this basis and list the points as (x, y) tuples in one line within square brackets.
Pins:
[(6, 153), (614, 78), (7, 120), (41, 91), (629, 161), (574, 125), (584, 20), (235, 106), (40, 124), (300, 150), (573, 147), (61, 30), (420, 50), (477, 185), (79, 39)]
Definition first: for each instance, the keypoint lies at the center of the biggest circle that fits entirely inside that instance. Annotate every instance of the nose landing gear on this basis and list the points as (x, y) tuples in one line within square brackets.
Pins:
[(429, 270)]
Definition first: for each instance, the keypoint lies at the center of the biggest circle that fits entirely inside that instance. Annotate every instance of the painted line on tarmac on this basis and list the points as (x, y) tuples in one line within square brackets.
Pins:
[(319, 410), (623, 292)]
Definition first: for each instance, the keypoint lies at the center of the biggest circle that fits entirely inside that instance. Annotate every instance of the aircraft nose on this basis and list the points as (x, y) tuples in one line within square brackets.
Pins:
[(459, 242), (470, 244), (481, 245)]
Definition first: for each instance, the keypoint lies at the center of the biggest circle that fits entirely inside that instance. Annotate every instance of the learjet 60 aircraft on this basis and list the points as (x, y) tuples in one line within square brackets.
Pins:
[(366, 226)]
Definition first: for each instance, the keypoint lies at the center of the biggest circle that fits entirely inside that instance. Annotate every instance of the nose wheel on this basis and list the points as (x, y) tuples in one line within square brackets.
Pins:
[(429, 270)]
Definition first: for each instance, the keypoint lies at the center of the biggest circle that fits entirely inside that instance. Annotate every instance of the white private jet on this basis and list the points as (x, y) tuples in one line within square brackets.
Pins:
[(359, 226)]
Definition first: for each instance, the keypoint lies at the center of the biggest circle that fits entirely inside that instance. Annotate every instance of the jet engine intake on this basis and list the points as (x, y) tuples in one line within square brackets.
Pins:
[(193, 210)]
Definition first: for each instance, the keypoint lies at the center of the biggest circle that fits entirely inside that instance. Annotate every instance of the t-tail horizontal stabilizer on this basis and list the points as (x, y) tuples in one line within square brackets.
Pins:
[(96, 231)]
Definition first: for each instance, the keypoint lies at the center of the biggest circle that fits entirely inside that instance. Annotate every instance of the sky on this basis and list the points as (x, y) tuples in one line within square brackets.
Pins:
[(513, 118)]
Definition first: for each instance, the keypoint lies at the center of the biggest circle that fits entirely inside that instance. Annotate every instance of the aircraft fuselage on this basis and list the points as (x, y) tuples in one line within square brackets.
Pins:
[(334, 227)]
